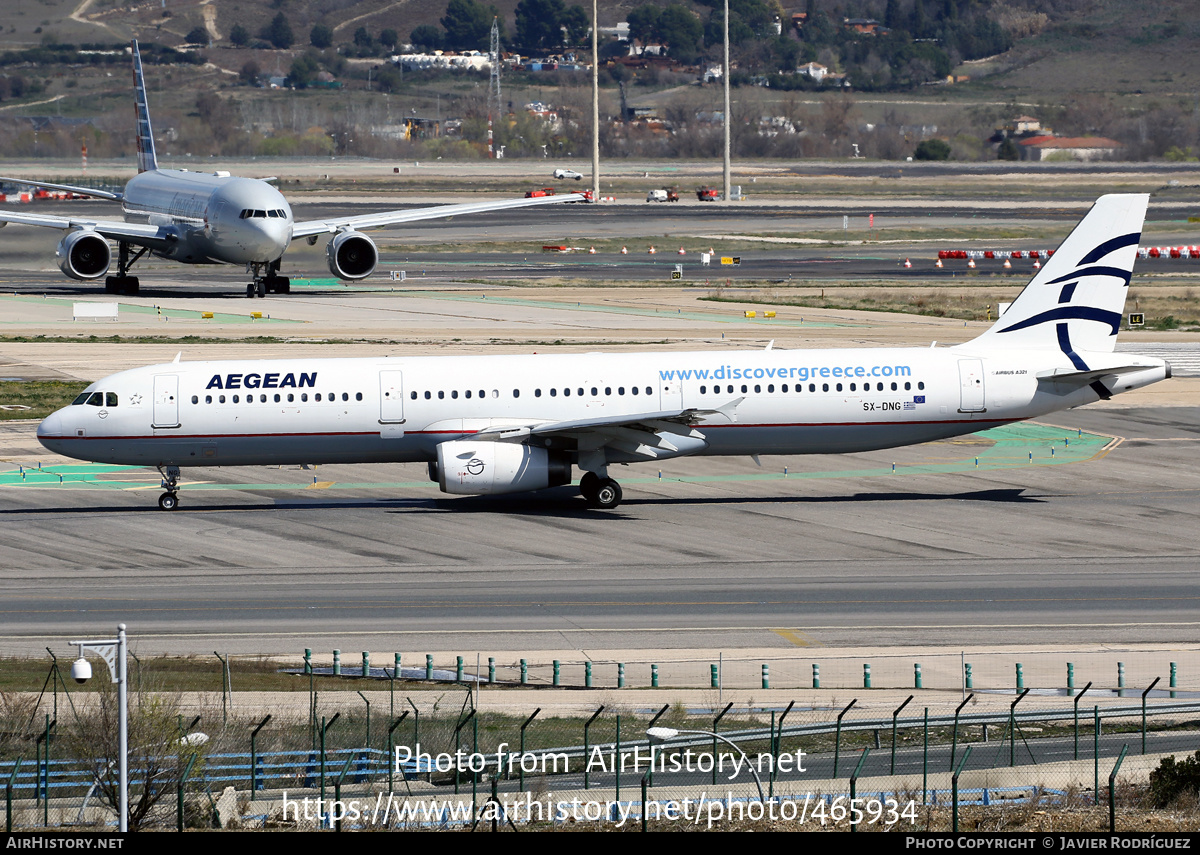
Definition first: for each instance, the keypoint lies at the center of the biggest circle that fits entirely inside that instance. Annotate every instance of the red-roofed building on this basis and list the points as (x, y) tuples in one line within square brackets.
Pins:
[(1076, 148)]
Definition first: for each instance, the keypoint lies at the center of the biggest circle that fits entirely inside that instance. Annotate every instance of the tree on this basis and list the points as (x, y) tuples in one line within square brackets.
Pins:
[(427, 36), (197, 36), (279, 32), (681, 31), (250, 72), (540, 24), (932, 150), (320, 36), (575, 22), (643, 23), (468, 25), (239, 35), (362, 38), (304, 70), (389, 38), (1008, 150)]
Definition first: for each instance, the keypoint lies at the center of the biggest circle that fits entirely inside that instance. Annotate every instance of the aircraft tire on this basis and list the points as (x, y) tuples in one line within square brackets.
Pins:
[(132, 285), (608, 495), (260, 289), (589, 484), (168, 501), (250, 290)]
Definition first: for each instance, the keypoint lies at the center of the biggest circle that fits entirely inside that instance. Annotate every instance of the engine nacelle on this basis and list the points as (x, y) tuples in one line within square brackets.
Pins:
[(83, 255), (480, 468), (351, 255)]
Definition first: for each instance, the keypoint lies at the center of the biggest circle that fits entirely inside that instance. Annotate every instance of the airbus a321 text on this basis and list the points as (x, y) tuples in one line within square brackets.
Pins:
[(214, 218), (502, 424)]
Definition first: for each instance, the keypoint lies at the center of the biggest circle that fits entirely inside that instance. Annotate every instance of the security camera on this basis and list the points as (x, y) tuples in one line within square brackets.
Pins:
[(81, 671)]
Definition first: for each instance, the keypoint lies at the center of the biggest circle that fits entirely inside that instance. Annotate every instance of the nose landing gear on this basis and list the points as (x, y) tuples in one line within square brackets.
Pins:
[(271, 283), (169, 500)]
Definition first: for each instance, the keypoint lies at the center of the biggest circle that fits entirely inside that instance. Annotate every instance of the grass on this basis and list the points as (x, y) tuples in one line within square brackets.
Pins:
[(35, 399)]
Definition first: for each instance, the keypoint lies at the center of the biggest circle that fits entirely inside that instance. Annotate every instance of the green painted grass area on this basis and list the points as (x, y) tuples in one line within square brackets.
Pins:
[(1011, 447), (166, 314)]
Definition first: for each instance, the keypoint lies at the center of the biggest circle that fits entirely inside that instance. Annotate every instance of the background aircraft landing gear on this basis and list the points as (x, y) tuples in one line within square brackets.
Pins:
[(169, 500), (123, 283), (602, 493)]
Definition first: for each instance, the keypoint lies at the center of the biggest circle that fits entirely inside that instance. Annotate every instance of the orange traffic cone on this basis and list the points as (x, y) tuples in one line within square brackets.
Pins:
[(907, 263), (591, 250), (939, 263), (652, 250), (682, 251), (1007, 264), (971, 264), (624, 251)]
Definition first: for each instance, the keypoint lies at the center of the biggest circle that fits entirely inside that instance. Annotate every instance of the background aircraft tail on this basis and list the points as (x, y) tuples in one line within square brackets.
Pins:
[(147, 161), (1075, 301)]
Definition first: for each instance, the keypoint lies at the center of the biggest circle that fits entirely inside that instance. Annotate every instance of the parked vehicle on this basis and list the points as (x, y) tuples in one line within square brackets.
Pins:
[(567, 174), (708, 194)]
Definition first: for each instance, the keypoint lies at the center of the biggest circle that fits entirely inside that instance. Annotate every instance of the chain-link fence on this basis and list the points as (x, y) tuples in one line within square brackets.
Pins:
[(433, 758)]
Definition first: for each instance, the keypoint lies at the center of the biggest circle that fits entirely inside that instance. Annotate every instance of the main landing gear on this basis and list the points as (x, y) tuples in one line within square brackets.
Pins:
[(169, 500), (603, 493), (123, 283), (270, 283)]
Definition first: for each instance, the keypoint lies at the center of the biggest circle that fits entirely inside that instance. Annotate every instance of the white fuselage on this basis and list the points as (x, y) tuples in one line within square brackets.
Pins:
[(399, 409), (208, 213)]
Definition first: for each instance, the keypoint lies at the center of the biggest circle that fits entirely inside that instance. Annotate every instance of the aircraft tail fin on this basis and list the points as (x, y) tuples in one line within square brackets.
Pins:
[(1075, 301), (147, 161)]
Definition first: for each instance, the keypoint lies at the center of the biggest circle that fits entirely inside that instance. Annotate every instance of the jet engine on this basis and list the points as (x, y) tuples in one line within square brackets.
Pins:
[(478, 468), (83, 255), (351, 255)]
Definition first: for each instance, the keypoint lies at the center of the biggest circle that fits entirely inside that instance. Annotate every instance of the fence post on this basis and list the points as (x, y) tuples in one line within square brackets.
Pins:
[(897, 712), (254, 756), (1077, 699), (12, 780), (716, 721), (587, 744), (854, 786), (1148, 690), (528, 722), (954, 782), (187, 770), (1112, 800), (837, 744)]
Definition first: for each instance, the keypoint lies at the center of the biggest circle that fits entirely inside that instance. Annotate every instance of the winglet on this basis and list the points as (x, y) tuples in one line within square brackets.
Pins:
[(147, 162)]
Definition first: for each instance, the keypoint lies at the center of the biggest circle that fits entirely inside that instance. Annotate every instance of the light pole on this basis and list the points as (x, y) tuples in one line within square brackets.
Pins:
[(113, 652), (661, 735)]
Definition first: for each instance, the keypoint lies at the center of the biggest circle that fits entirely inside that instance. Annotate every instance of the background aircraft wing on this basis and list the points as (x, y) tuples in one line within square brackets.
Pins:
[(69, 188), (141, 234), (394, 218)]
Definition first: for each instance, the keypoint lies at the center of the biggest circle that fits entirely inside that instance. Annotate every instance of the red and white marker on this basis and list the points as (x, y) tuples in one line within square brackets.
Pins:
[(591, 250), (939, 263), (1007, 264), (651, 251), (624, 251), (971, 264), (907, 263), (682, 251)]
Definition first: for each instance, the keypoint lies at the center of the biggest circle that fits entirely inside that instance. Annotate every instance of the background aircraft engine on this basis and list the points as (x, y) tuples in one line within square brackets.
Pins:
[(351, 255), (83, 255), (478, 468)]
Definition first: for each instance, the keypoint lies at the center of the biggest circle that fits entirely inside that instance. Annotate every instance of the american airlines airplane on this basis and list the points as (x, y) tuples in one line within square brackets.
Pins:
[(214, 218), (506, 424)]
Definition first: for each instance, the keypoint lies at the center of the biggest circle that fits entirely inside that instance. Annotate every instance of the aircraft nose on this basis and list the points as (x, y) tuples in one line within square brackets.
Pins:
[(50, 430)]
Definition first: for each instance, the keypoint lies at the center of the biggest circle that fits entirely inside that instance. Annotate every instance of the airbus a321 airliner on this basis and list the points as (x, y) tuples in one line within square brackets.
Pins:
[(214, 218), (503, 424)]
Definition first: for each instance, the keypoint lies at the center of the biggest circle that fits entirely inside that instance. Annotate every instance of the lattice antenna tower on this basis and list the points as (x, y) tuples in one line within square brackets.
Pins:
[(495, 107)]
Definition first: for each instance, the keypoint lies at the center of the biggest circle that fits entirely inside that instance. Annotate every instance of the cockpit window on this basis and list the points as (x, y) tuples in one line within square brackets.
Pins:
[(110, 399), (81, 399), (96, 399)]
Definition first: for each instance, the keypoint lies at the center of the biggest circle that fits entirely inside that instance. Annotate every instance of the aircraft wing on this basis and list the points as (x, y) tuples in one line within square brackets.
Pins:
[(141, 234), (69, 188), (309, 228), (664, 433)]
